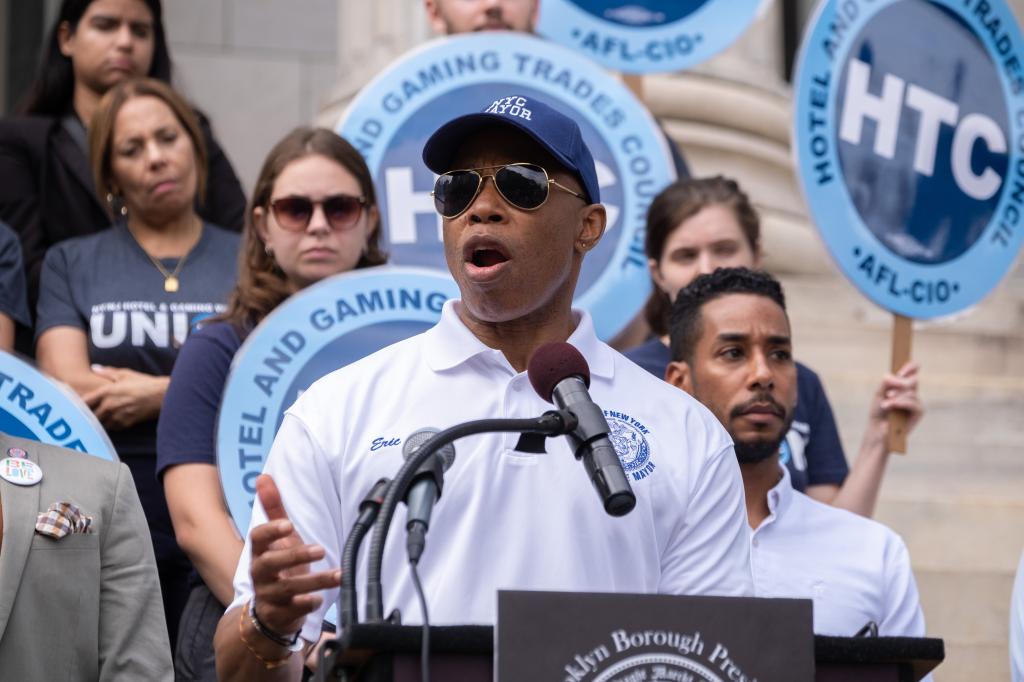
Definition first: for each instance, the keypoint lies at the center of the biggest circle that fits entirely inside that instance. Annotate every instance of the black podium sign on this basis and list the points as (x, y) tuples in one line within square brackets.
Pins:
[(574, 637)]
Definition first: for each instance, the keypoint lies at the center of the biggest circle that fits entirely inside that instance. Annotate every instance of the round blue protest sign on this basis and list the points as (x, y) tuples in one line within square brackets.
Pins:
[(395, 114), (318, 330), (908, 142), (645, 36), (34, 406)]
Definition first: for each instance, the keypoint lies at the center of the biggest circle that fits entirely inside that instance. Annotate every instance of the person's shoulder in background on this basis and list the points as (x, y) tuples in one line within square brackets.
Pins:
[(224, 203), (652, 355), (13, 293), (187, 427)]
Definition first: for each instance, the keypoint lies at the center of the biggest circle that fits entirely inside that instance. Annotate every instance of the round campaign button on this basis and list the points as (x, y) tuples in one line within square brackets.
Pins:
[(394, 115), (20, 471), (16, 452), (910, 147), (644, 36)]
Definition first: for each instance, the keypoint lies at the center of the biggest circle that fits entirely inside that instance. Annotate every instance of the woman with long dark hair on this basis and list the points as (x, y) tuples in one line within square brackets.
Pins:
[(313, 214), (48, 191)]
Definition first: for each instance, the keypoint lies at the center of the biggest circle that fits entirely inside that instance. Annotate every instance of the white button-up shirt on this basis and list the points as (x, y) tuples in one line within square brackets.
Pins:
[(507, 519), (854, 569)]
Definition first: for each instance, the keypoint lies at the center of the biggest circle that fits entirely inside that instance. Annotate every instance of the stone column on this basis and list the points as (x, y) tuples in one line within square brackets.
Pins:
[(732, 116), (370, 36)]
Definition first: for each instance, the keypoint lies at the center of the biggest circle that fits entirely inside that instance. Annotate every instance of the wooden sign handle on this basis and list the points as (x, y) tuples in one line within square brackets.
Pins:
[(635, 82), (902, 336)]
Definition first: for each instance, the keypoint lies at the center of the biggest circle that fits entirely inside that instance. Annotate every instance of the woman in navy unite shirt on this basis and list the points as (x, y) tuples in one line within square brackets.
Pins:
[(313, 214), (115, 306), (48, 193), (698, 225)]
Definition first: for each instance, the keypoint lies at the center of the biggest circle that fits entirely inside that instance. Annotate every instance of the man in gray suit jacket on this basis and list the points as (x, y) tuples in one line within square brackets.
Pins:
[(79, 593)]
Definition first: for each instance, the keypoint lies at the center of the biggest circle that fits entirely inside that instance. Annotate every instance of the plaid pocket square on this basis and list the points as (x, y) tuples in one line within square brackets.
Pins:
[(62, 518)]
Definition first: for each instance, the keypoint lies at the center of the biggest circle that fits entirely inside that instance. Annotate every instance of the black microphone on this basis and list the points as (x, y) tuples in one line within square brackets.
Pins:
[(560, 375), (368, 508), (370, 505), (424, 490)]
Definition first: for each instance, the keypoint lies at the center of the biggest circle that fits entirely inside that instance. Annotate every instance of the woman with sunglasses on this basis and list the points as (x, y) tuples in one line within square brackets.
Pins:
[(313, 215), (48, 191), (115, 306)]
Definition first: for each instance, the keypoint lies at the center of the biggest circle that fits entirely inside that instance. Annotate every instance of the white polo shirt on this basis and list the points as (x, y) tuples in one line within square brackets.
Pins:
[(510, 520), (854, 569)]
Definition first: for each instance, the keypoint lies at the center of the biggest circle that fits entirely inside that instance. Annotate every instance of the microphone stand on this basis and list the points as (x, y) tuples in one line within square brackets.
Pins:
[(329, 667), (552, 423), (368, 509)]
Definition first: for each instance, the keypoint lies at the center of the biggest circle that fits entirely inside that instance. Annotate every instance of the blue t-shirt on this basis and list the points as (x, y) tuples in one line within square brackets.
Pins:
[(13, 299), (106, 285), (188, 421), (811, 451)]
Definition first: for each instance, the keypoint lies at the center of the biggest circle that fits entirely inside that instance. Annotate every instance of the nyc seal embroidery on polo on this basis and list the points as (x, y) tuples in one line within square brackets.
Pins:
[(20, 471), (909, 121), (629, 438)]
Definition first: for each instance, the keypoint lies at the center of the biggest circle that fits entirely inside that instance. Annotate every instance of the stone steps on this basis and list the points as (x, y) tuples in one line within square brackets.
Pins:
[(975, 637), (958, 497)]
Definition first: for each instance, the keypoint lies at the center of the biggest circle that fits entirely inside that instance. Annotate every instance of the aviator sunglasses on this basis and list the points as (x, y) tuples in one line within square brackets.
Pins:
[(524, 185), (293, 213)]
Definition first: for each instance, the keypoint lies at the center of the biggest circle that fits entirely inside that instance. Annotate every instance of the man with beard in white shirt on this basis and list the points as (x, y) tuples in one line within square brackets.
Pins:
[(732, 350)]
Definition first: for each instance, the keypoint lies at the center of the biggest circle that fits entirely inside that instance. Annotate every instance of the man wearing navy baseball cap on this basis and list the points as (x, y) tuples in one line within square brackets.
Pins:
[(518, 193)]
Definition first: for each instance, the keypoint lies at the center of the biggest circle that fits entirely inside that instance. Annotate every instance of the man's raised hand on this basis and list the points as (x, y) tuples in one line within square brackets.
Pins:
[(285, 591)]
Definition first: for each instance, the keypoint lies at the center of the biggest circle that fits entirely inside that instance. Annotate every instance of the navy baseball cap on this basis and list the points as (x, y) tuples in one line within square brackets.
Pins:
[(553, 130)]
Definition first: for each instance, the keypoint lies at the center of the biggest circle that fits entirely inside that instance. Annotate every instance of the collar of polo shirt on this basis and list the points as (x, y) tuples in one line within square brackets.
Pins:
[(450, 343)]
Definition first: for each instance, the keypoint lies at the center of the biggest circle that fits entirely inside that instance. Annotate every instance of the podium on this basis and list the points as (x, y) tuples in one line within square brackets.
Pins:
[(391, 653)]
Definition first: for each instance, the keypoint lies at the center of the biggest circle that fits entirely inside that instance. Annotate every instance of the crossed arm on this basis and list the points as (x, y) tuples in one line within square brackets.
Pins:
[(119, 397)]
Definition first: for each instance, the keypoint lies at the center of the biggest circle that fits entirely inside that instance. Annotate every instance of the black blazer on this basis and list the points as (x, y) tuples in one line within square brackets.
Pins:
[(47, 193)]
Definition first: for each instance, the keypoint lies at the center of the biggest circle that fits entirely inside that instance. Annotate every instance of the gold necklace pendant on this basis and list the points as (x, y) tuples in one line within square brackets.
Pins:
[(171, 283)]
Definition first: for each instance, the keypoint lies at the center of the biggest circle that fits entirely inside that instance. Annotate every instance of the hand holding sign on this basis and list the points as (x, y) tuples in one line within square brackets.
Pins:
[(895, 396)]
